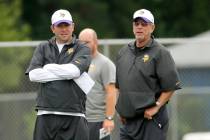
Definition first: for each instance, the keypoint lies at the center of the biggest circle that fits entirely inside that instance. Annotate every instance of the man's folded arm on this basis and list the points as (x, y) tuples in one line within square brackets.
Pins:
[(52, 72), (41, 75), (66, 71)]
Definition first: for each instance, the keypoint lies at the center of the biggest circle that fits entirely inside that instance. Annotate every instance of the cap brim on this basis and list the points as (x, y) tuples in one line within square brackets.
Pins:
[(62, 21), (142, 18)]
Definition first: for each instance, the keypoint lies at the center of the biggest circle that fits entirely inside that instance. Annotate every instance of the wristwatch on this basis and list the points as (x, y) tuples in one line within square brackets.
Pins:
[(110, 118), (157, 103)]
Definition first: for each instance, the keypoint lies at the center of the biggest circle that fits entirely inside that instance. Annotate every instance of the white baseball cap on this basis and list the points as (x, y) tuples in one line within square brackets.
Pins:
[(60, 16), (144, 14)]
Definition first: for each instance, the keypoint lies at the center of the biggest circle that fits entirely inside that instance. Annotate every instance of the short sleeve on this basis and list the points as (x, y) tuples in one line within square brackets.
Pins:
[(108, 73), (167, 72)]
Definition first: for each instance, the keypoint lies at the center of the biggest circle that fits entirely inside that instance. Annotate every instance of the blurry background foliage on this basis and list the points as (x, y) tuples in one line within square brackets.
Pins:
[(30, 20), (13, 28), (113, 18)]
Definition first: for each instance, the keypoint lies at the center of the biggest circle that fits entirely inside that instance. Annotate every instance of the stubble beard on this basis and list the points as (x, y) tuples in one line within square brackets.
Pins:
[(140, 38), (64, 39)]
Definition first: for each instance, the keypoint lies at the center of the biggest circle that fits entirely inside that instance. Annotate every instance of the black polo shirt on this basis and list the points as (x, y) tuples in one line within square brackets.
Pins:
[(142, 74)]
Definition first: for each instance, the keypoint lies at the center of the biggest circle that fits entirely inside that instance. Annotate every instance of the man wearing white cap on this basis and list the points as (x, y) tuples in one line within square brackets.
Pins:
[(146, 77), (56, 64)]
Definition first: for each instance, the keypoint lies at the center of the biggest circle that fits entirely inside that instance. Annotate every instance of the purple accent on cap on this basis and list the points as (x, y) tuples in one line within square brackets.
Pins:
[(143, 18), (61, 21)]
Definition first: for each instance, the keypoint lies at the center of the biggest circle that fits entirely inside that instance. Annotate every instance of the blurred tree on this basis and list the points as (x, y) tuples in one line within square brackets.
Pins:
[(12, 28), (112, 19), (37, 13), (181, 18), (85, 13)]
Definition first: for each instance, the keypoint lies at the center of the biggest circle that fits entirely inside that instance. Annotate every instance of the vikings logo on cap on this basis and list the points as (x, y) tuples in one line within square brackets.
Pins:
[(62, 14), (141, 12)]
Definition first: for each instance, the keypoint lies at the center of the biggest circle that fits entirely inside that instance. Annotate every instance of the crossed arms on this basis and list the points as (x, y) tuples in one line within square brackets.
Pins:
[(52, 72)]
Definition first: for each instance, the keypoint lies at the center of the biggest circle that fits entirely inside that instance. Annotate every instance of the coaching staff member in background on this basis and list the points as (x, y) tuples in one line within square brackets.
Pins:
[(55, 63), (100, 104), (146, 79)]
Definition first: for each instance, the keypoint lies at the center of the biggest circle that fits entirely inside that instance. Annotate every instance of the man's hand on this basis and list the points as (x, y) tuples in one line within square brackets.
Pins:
[(150, 112), (108, 125), (162, 100)]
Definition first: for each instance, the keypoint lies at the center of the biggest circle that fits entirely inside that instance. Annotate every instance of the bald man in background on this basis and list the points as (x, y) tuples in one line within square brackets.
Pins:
[(100, 104)]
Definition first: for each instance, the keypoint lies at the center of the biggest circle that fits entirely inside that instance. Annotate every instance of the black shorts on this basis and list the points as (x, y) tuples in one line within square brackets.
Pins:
[(94, 128), (60, 127)]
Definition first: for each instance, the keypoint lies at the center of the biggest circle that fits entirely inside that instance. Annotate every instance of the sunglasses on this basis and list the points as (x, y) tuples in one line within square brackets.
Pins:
[(141, 22)]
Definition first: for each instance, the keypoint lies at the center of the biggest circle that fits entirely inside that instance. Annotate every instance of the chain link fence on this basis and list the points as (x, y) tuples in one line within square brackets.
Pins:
[(188, 109)]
